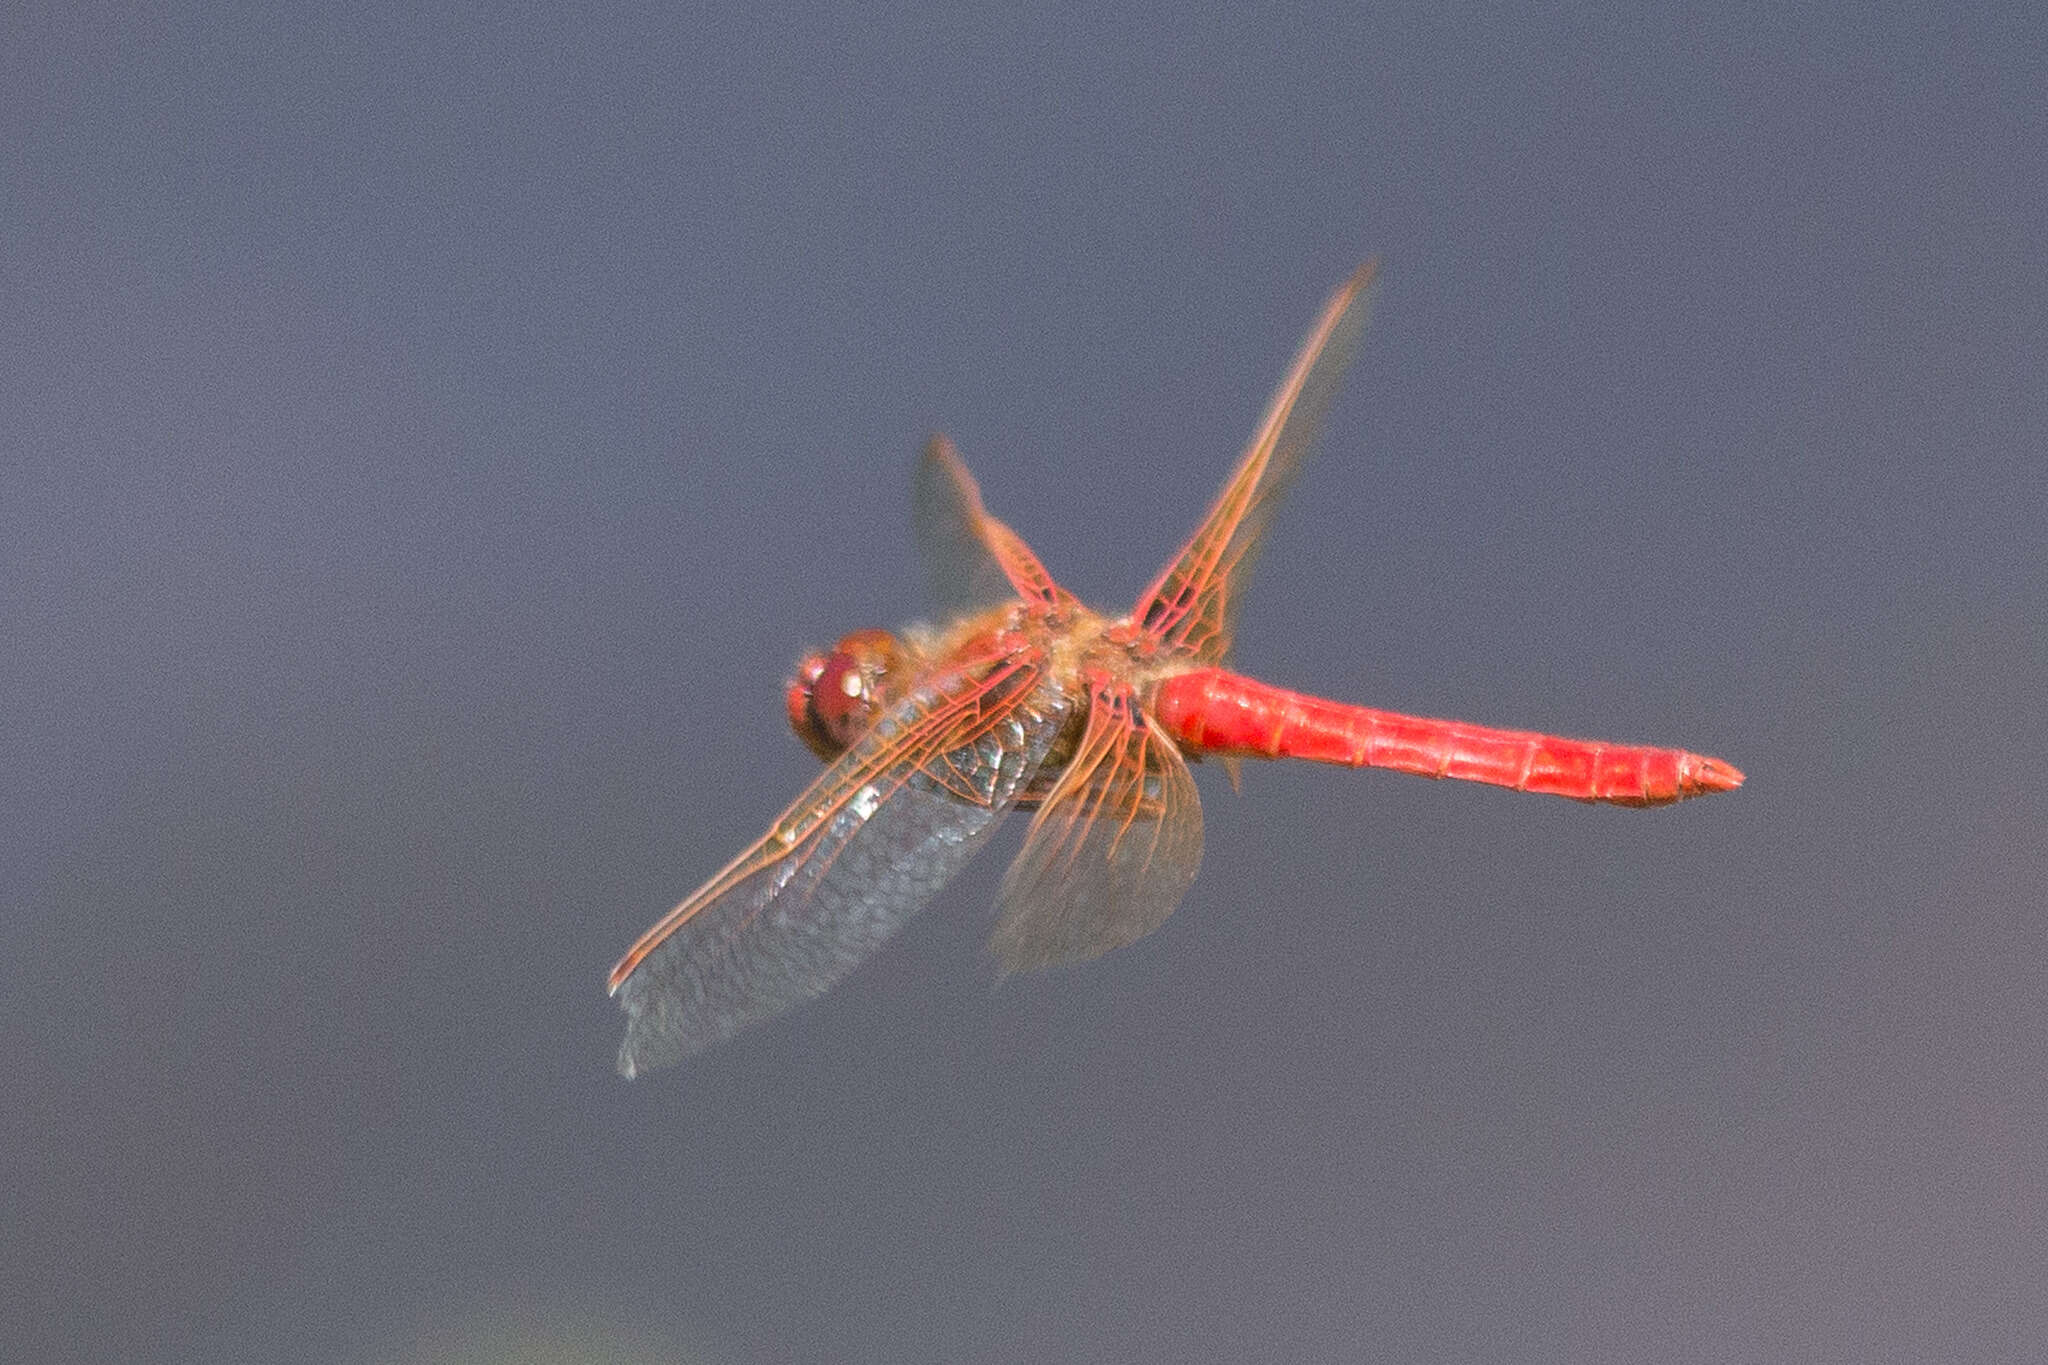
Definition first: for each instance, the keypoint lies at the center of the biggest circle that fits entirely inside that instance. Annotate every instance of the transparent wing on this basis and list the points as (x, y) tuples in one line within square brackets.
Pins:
[(974, 560), (1112, 849), (1192, 607), (855, 856)]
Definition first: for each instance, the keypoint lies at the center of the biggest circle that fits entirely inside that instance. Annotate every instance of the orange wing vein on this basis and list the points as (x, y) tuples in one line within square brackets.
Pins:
[(1112, 848), (970, 554), (865, 847), (1192, 607)]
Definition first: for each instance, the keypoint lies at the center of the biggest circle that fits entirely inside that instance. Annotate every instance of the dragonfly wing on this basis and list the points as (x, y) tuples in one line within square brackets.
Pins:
[(862, 850), (1192, 606), (1113, 848), (974, 560)]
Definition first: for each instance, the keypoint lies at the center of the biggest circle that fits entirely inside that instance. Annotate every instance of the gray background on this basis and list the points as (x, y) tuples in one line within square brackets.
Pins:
[(430, 436)]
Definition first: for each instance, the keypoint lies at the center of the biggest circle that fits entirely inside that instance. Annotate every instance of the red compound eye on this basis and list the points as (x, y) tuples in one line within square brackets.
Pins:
[(838, 697), (796, 698), (835, 697)]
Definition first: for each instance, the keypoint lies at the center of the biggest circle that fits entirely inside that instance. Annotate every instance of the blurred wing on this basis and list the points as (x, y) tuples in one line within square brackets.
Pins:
[(1192, 607), (862, 850), (974, 560), (1113, 848)]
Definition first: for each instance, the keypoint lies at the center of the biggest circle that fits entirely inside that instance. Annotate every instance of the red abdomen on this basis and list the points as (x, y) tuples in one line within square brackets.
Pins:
[(1214, 711)]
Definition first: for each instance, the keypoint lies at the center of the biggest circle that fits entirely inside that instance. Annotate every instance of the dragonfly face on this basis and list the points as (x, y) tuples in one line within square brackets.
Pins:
[(834, 698)]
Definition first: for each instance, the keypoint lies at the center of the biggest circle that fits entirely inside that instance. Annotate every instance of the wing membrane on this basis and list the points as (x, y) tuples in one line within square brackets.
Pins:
[(1112, 849), (855, 856), (974, 560), (1192, 607)]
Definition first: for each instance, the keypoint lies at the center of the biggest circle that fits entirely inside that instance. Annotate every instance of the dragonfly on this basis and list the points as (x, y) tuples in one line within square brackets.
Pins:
[(1027, 700)]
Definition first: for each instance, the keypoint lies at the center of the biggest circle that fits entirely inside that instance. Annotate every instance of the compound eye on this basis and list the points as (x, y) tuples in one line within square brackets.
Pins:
[(840, 699), (835, 697), (796, 700)]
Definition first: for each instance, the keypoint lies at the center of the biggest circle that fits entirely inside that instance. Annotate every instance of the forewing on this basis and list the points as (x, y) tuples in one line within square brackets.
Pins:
[(1192, 607), (863, 849), (974, 560), (1113, 848)]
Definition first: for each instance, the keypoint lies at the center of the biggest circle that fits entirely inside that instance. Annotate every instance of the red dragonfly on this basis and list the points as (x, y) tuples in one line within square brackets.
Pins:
[(1029, 700)]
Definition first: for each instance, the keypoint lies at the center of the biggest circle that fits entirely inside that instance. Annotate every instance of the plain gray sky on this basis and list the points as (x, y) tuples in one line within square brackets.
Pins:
[(429, 435)]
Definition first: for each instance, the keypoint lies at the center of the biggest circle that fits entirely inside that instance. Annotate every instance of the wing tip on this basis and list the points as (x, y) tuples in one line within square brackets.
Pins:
[(1356, 294)]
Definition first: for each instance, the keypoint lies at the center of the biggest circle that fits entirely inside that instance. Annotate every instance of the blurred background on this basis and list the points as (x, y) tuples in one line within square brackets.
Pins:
[(431, 433)]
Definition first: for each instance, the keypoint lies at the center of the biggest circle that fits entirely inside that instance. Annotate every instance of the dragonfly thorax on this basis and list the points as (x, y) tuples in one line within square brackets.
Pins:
[(835, 696)]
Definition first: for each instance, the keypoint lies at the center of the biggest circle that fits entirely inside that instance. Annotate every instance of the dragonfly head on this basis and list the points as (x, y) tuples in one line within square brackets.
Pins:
[(835, 696)]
